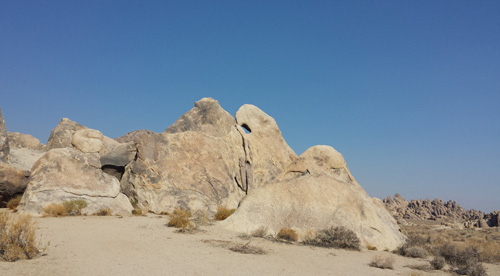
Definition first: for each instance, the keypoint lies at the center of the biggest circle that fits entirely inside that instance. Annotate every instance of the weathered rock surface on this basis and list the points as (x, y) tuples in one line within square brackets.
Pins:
[(266, 151), (88, 140), (4, 140), (130, 137), (25, 158), (450, 211), (21, 140), (62, 135), (316, 192), (67, 174), (114, 161), (13, 181), (202, 161)]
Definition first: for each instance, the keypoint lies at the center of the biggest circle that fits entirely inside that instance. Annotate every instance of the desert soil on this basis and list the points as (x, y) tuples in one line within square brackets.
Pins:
[(144, 245)]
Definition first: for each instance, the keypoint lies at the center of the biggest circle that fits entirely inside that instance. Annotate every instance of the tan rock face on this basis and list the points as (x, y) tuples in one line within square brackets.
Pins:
[(67, 174), (317, 192), (21, 140), (13, 181), (204, 160), (4, 140), (62, 135), (88, 140)]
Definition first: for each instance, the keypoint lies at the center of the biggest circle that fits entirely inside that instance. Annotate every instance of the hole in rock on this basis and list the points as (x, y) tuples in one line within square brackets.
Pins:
[(116, 171), (246, 128)]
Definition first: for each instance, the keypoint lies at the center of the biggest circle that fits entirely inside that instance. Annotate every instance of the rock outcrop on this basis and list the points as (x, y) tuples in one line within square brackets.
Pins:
[(62, 135), (450, 212), (202, 161), (4, 140), (130, 137), (13, 182), (21, 140), (67, 174), (315, 192)]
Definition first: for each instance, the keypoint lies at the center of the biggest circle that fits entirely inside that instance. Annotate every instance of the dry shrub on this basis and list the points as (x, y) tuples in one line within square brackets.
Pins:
[(247, 249), (371, 247), (288, 234), (223, 213), (137, 212), (14, 202), (74, 207), (17, 238), (337, 237), (489, 251), (438, 262), (180, 219), (383, 262), (103, 212), (415, 252), (260, 232), (463, 262), (415, 246), (55, 210)]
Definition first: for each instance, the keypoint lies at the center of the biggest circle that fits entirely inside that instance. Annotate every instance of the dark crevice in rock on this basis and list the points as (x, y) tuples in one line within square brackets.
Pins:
[(246, 128), (116, 171)]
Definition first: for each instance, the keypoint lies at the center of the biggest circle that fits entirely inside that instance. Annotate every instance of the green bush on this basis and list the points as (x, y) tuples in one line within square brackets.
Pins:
[(74, 207)]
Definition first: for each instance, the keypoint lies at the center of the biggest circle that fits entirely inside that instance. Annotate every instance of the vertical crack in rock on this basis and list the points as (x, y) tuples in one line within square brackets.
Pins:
[(246, 170)]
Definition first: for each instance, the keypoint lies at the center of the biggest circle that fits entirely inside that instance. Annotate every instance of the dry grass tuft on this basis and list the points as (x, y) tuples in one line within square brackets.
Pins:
[(223, 213), (74, 207), (17, 238), (288, 234), (14, 202), (260, 232), (371, 247), (55, 210), (103, 212), (247, 249), (137, 212), (180, 219), (383, 262)]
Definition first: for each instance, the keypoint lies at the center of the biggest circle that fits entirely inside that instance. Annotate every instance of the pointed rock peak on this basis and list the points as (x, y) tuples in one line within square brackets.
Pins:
[(254, 119), (62, 135), (206, 116)]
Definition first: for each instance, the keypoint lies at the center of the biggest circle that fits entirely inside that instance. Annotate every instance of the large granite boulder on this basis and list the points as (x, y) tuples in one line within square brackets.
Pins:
[(317, 191), (88, 140), (21, 140), (202, 161), (130, 137), (13, 182), (4, 140), (266, 151), (62, 135), (67, 174)]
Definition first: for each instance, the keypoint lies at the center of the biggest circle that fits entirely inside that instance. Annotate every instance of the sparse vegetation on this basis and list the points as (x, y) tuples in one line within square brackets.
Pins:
[(336, 237), (287, 234), (180, 218), (371, 247), (247, 249), (103, 212), (438, 262), (55, 210), (223, 213), (74, 207), (17, 238), (260, 232), (463, 262), (137, 212), (14, 202), (383, 262)]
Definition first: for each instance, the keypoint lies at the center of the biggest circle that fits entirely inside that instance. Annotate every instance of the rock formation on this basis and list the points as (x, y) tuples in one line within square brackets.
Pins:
[(205, 160), (450, 211), (4, 140), (21, 140), (130, 137), (315, 192), (67, 174), (13, 182), (62, 135)]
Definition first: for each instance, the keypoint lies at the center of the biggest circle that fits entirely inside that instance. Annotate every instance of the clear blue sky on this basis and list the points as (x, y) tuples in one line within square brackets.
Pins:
[(407, 91)]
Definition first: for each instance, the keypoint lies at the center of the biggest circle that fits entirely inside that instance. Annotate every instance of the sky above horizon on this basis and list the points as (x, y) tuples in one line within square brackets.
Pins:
[(407, 91)]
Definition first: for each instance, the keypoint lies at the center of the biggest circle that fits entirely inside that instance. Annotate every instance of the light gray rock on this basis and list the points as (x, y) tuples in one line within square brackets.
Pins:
[(25, 158), (317, 191), (88, 140), (21, 140), (62, 135), (67, 174), (4, 140), (130, 137)]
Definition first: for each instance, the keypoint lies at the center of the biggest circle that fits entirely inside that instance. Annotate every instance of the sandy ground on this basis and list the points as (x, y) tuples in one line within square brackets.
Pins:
[(145, 246)]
